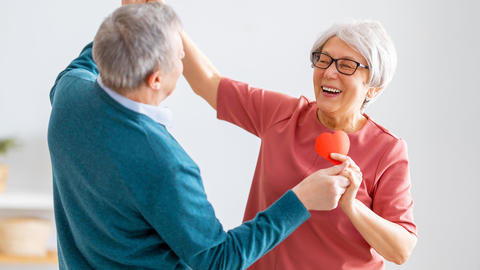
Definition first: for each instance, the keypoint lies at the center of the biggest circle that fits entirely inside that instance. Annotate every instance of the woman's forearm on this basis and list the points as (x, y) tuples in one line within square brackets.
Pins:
[(200, 73), (390, 240)]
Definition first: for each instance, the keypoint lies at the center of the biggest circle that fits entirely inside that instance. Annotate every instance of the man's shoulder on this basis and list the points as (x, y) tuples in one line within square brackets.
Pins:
[(79, 74), (73, 79)]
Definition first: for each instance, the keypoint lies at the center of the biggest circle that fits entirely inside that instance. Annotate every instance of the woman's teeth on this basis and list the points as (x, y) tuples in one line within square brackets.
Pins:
[(331, 90)]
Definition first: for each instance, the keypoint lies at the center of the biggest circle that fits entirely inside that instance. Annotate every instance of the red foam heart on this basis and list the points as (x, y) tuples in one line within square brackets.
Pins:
[(328, 143)]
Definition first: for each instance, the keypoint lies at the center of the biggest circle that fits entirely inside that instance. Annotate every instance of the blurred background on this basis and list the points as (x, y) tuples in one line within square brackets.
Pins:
[(432, 102)]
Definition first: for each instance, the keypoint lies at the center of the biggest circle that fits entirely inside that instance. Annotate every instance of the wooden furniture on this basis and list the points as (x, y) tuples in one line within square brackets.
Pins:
[(28, 204), (50, 258)]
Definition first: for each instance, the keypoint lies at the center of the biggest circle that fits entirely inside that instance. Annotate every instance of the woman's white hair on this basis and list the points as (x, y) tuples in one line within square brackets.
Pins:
[(371, 40), (134, 41)]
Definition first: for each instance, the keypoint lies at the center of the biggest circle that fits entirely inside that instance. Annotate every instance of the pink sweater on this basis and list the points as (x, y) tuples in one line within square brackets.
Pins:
[(288, 128)]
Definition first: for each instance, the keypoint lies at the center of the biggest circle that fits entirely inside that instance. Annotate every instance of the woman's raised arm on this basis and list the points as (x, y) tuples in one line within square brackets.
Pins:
[(200, 73)]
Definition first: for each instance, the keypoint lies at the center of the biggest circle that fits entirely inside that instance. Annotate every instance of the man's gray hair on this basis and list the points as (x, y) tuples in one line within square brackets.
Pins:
[(134, 41), (371, 40)]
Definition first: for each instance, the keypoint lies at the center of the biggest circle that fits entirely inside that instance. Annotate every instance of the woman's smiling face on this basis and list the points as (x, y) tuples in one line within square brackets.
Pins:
[(338, 94)]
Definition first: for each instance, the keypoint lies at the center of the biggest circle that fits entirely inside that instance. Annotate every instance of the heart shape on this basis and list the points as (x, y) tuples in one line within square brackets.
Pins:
[(337, 142)]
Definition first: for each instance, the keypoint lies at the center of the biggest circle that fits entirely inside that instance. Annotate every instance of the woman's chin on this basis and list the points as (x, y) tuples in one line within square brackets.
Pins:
[(326, 108)]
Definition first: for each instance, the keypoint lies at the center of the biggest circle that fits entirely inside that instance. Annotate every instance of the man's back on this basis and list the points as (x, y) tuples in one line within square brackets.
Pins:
[(127, 196), (110, 167)]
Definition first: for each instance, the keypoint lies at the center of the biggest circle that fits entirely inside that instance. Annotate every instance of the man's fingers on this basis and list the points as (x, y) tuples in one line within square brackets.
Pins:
[(340, 190), (342, 181), (334, 170)]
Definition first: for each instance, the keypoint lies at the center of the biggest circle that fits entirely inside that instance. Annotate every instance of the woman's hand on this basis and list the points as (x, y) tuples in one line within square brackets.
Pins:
[(353, 173), (389, 239), (129, 2)]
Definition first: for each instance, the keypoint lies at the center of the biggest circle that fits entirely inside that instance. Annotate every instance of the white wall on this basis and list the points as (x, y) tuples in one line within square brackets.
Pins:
[(432, 101)]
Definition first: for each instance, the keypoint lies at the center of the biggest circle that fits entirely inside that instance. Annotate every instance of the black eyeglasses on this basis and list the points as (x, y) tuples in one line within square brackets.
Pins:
[(344, 66)]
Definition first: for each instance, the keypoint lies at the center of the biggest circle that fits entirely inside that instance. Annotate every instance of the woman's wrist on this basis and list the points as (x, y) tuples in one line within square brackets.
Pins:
[(350, 209)]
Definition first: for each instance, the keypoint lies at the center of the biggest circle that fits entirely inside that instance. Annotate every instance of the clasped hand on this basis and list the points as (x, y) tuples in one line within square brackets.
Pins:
[(353, 173)]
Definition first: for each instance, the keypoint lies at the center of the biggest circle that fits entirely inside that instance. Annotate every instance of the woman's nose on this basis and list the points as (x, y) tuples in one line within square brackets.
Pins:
[(331, 71)]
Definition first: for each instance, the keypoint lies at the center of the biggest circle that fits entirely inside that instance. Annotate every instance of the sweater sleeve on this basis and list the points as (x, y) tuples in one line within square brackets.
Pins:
[(83, 62), (177, 208)]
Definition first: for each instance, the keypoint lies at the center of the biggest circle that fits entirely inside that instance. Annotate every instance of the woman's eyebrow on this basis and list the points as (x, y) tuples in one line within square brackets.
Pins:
[(342, 57)]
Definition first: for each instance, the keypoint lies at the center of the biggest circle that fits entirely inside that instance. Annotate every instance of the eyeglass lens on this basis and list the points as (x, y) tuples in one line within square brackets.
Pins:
[(343, 65)]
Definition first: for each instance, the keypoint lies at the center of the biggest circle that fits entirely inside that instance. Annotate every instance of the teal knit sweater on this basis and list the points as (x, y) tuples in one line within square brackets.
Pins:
[(127, 196)]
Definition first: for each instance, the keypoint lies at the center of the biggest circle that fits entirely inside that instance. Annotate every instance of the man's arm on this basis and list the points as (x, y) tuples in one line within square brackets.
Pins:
[(176, 206), (83, 61)]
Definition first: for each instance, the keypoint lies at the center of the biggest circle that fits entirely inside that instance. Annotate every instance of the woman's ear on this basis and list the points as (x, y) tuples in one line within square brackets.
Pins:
[(373, 92), (154, 80)]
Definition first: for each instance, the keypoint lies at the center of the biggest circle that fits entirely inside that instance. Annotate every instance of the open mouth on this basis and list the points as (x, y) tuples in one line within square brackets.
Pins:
[(330, 91)]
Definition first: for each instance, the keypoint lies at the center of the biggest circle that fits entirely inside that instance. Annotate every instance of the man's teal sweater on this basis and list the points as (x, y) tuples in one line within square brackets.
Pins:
[(127, 196)]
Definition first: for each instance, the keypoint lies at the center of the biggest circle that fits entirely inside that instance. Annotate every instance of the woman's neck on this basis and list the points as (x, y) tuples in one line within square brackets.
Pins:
[(348, 123)]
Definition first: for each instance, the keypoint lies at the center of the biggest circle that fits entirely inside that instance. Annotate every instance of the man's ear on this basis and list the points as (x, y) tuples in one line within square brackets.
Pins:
[(373, 92), (154, 80)]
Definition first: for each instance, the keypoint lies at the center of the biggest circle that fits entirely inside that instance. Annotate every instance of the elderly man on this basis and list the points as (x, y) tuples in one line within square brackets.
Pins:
[(127, 196)]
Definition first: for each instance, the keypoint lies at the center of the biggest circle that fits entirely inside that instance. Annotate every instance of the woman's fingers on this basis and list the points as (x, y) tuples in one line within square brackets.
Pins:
[(354, 176), (344, 158), (339, 157), (130, 2)]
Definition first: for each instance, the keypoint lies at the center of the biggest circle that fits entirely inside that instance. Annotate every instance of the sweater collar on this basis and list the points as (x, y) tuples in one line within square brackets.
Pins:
[(159, 114)]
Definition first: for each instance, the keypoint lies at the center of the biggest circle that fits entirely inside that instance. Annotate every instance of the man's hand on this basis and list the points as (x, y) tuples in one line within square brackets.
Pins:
[(322, 189)]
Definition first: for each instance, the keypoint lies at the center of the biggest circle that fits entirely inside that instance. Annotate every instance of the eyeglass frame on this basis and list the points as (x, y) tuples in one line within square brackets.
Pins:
[(336, 63)]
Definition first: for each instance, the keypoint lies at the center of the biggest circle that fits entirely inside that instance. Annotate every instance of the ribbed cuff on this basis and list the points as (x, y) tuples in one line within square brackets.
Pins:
[(291, 210)]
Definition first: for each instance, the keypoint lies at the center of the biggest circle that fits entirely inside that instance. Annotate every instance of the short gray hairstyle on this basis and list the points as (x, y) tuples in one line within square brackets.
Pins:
[(371, 40), (134, 41)]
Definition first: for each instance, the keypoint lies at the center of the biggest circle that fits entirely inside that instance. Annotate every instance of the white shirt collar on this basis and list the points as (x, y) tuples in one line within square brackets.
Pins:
[(159, 114)]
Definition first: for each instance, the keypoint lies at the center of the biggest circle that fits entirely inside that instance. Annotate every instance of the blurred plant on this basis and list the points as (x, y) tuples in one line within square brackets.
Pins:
[(6, 144)]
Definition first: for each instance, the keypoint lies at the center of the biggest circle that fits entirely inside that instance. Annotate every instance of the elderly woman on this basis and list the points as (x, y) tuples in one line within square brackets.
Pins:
[(352, 63)]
